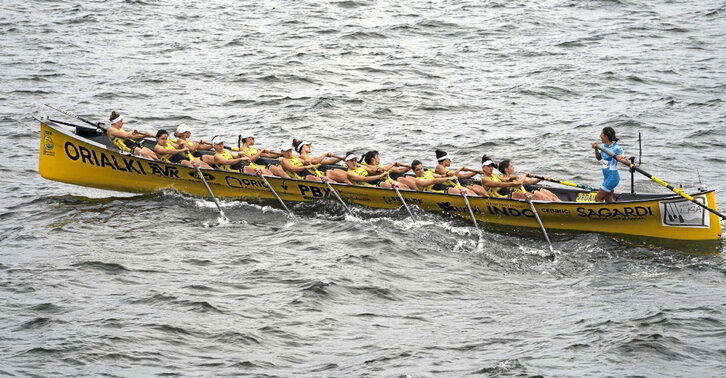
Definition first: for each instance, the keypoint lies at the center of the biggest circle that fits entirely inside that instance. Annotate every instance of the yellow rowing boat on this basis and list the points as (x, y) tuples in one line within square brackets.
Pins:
[(83, 156)]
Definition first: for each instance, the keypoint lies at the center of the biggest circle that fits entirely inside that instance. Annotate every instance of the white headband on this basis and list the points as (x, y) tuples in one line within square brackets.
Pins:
[(446, 156), (300, 146), (117, 119), (488, 162)]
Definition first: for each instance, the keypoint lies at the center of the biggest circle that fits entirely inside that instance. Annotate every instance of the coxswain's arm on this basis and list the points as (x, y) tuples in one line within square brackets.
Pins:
[(623, 160), (597, 151)]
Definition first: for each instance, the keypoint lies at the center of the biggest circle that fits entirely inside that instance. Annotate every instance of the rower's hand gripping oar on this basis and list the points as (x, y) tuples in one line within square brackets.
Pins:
[(289, 213), (665, 184), (73, 115), (563, 182), (528, 196), (211, 194)]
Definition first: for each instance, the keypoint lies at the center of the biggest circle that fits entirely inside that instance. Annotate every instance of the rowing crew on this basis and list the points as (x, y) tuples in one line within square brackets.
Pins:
[(368, 171)]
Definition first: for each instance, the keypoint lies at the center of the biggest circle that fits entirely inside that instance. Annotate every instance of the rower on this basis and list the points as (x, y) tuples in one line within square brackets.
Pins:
[(257, 158), (296, 168), (358, 175), (496, 188), (463, 174), (225, 159), (128, 141), (174, 153), (430, 182), (323, 163), (184, 133)]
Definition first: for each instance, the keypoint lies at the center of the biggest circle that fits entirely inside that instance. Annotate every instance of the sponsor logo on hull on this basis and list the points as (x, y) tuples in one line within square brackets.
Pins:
[(683, 213)]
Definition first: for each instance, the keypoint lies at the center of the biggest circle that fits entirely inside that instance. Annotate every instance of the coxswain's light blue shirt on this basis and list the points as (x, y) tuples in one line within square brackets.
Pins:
[(607, 161)]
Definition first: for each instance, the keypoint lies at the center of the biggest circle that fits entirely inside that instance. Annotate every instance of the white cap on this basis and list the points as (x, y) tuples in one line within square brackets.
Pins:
[(183, 128), (284, 146), (350, 156), (246, 134), (217, 140), (300, 146), (488, 162)]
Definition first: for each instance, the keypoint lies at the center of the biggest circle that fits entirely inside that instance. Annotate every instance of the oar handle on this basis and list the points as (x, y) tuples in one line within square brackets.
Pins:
[(665, 184)]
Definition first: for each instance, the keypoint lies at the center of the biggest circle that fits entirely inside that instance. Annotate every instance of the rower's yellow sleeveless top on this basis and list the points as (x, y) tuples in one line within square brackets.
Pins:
[(120, 143), (452, 183), (429, 176), (494, 190), (251, 151), (227, 155), (296, 162), (187, 154), (165, 157), (360, 171)]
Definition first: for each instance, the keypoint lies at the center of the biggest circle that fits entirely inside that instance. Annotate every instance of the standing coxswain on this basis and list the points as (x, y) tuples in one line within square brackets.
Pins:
[(611, 176)]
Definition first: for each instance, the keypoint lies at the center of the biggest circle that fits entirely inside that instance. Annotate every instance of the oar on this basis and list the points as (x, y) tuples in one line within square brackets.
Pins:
[(289, 213), (73, 115), (581, 186), (665, 184), (325, 180), (468, 205), (541, 226), (395, 187), (211, 194)]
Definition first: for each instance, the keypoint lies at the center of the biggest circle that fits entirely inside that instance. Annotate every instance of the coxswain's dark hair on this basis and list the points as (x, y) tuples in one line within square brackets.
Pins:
[(504, 164), (368, 156), (414, 164), (114, 115), (610, 133), (484, 158), (161, 132)]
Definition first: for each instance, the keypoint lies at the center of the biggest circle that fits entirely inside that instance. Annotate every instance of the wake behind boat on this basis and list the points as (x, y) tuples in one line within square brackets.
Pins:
[(84, 156)]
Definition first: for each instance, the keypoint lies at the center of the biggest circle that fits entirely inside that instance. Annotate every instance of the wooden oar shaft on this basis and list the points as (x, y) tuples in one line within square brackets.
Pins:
[(400, 196), (468, 205), (337, 196), (541, 225), (211, 194), (667, 185), (289, 213)]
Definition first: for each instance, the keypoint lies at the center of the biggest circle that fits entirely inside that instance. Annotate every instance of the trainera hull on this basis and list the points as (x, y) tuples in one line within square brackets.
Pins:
[(68, 158)]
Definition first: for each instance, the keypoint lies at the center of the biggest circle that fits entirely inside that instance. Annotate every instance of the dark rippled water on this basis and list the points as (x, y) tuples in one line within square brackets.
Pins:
[(96, 283)]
